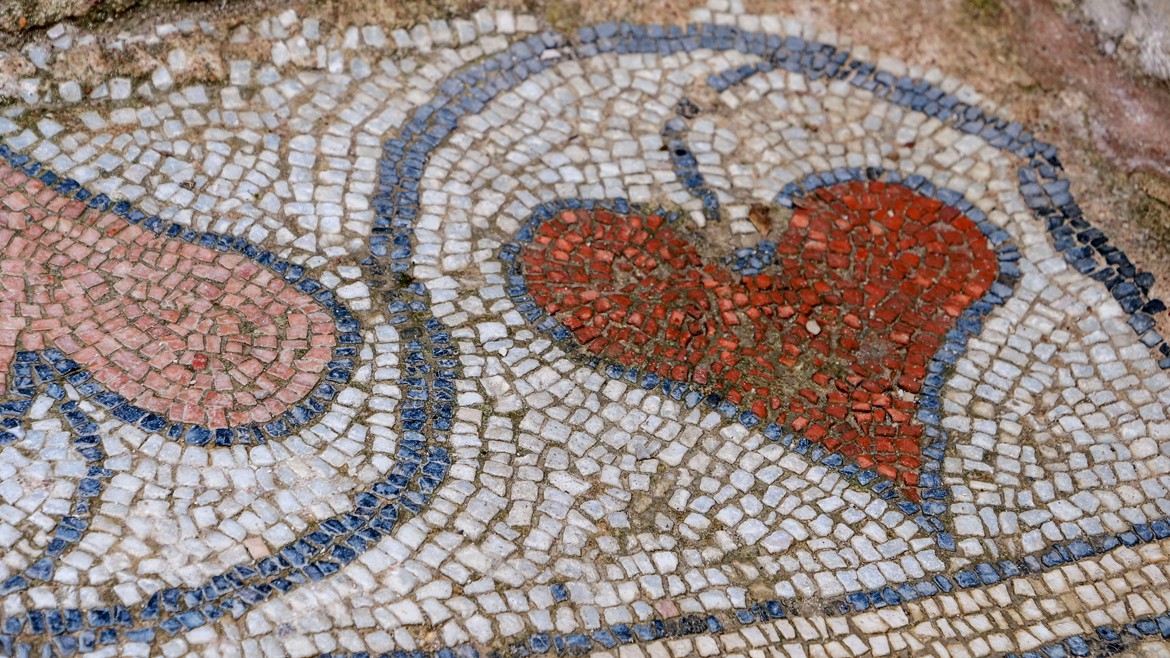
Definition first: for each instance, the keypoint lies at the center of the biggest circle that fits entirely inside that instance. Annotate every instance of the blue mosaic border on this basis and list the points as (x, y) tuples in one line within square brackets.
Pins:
[(753, 260), (968, 325), (321, 551), (927, 515), (686, 166), (814, 60), (340, 368), (49, 369), (1109, 640), (396, 203), (1042, 184), (396, 226)]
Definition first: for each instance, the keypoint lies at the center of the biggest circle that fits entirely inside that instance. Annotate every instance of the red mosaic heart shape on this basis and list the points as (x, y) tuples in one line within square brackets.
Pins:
[(188, 332), (832, 343)]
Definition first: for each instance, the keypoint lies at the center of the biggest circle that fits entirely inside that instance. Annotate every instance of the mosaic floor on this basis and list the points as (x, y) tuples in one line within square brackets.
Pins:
[(477, 339)]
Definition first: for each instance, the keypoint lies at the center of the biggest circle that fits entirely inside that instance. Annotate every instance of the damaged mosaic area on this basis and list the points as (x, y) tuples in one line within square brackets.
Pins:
[(726, 339)]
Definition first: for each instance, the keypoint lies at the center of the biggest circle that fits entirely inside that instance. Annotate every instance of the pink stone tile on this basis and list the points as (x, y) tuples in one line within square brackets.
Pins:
[(156, 320)]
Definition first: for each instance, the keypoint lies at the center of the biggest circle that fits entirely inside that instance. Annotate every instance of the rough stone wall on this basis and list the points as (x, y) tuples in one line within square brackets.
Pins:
[(1135, 29), (24, 14)]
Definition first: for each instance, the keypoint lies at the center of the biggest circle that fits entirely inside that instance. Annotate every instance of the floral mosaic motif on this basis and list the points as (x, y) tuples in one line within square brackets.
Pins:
[(832, 342), (541, 418)]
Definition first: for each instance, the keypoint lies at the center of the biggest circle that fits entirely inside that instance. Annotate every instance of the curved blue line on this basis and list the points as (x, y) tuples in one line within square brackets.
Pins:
[(46, 370), (468, 90), (929, 514), (303, 413), (814, 61)]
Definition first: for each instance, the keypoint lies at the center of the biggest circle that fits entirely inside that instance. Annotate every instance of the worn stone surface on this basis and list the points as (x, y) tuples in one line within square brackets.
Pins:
[(30, 14), (1140, 30), (330, 332)]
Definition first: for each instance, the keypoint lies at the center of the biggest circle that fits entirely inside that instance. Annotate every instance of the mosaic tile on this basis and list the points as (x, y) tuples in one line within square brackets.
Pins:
[(635, 292), (172, 325), (477, 339)]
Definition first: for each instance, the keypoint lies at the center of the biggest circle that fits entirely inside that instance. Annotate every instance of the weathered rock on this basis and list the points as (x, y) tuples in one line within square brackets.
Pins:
[(1138, 29), (16, 15)]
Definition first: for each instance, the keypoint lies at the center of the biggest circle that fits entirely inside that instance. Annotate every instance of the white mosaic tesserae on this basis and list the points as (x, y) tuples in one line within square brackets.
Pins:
[(477, 339)]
